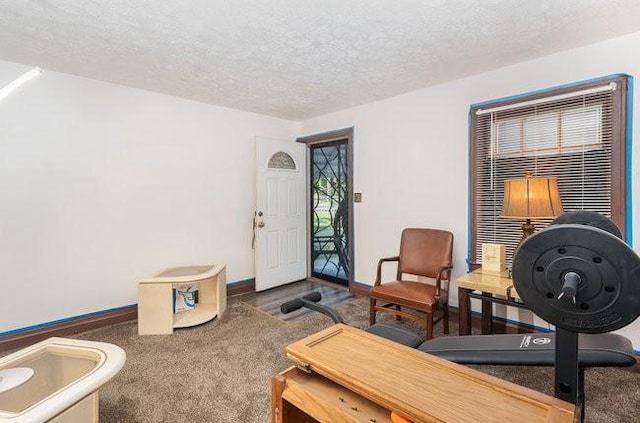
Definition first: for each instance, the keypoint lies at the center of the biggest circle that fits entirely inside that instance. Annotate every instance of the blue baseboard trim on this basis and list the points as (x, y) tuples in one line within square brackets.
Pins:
[(241, 282), (66, 319)]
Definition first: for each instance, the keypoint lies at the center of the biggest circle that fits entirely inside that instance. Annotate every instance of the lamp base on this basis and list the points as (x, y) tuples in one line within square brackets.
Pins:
[(528, 229)]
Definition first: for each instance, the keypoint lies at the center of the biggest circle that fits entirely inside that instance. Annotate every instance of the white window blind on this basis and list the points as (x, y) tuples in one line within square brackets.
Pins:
[(576, 138)]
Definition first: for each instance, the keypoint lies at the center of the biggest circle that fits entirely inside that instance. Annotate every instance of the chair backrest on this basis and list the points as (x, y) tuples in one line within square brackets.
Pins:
[(424, 251)]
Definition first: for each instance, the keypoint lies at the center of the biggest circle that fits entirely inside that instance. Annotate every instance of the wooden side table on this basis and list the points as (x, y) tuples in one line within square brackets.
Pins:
[(155, 298), (490, 288)]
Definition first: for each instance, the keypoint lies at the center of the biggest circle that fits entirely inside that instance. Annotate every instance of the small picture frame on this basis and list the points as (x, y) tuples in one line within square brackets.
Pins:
[(494, 258)]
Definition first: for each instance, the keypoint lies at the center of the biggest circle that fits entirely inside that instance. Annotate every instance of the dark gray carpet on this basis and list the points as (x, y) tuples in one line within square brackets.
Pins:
[(220, 371)]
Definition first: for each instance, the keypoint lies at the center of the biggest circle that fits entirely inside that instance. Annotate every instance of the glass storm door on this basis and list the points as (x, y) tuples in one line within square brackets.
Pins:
[(329, 211)]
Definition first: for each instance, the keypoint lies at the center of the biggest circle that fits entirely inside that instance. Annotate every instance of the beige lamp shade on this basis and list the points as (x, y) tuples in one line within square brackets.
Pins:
[(531, 197)]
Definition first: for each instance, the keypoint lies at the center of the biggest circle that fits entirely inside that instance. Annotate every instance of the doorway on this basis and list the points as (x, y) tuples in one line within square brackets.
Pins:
[(330, 243)]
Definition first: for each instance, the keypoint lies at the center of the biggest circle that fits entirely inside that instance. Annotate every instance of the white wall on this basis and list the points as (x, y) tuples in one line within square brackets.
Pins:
[(411, 151), (103, 184)]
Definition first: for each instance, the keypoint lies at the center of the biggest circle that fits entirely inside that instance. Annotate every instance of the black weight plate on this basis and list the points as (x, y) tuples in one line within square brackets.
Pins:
[(608, 297), (590, 218)]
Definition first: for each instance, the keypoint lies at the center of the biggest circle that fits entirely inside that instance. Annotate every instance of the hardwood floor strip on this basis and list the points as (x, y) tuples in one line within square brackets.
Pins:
[(270, 301)]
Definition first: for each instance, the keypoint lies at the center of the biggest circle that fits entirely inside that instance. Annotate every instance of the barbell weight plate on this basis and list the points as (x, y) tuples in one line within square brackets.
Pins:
[(608, 295), (590, 218)]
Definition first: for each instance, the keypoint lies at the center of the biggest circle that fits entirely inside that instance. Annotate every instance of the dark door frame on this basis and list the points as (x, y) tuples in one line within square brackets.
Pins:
[(326, 137)]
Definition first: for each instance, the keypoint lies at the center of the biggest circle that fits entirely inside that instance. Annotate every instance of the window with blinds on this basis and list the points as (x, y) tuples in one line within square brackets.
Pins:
[(576, 134)]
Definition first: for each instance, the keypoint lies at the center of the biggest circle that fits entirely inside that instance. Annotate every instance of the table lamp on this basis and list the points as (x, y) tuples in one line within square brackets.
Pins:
[(529, 198)]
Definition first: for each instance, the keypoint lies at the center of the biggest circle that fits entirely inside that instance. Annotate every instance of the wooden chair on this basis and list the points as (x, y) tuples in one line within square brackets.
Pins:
[(426, 253)]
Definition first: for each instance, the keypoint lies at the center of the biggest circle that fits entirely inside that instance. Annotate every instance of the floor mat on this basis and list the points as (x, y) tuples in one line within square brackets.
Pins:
[(269, 301)]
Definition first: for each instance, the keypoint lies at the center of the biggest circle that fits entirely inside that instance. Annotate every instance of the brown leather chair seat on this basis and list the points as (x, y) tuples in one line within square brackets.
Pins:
[(412, 294)]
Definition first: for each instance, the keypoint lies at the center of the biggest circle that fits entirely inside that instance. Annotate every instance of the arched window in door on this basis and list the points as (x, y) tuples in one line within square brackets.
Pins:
[(281, 160)]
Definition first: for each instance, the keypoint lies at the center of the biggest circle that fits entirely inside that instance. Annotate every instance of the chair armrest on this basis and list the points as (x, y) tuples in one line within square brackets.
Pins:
[(441, 270), (379, 270)]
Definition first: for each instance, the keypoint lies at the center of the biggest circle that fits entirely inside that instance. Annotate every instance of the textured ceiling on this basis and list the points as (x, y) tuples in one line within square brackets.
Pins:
[(297, 59)]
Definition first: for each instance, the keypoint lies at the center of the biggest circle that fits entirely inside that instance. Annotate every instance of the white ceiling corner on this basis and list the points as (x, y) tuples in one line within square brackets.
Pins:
[(297, 59)]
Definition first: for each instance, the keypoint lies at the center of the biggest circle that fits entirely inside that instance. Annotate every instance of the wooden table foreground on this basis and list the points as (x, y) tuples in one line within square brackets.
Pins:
[(349, 375)]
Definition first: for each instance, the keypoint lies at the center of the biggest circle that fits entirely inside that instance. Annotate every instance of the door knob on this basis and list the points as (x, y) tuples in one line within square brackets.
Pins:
[(260, 224)]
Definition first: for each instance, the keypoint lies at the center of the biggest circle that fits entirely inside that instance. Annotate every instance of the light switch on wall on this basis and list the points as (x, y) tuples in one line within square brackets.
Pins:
[(357, 197)]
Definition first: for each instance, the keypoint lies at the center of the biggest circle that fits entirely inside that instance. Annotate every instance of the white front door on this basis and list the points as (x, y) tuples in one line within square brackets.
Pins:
[(280, 217)]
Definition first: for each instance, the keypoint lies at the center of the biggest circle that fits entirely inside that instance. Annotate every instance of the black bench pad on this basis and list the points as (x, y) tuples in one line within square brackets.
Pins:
[(531, 349), (396, 333)]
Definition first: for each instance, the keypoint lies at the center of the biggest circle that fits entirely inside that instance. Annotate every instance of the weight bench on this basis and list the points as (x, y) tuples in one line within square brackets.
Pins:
[(531, 349)]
